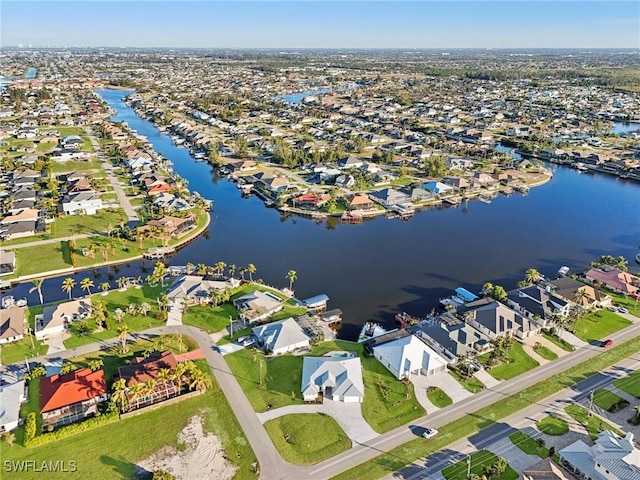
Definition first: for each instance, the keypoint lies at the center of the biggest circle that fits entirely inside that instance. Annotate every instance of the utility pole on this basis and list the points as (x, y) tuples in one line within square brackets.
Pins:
[(590, 403), (230, 326), (469, 466)]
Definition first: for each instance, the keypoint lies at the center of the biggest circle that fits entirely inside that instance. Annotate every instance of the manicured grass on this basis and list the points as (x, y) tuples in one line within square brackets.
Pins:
[(398, 457), (472, 384), (111, 451), (518, 362), (608, 400), (438, 397), (281, 377), (479, 460), (545, 353), (593, 424), (288, 311), (210, 319), (113, 300), (599, 324), (625, 301), (559, 342), (528, 445), (630, 384), (305, 439), (73, 165), (552, 425)]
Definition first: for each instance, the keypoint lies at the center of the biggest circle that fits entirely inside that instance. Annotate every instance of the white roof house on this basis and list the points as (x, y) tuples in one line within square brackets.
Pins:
[(87, 203), (611, 458), (196, 289), (282, 336), (11, 397), (409, 355), (338, 378), (257, 305)]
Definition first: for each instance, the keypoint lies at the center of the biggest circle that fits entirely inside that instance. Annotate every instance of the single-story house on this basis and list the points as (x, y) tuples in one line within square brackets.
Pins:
[(66, 399), (7, 262), (360, 201), (11, 397), (336, 376), (257, 305), (281, 337), (390, 196), (409, 355), (12, 324), (52, 320), (311, 200), (87, 203), (172, 226), (614, 278)]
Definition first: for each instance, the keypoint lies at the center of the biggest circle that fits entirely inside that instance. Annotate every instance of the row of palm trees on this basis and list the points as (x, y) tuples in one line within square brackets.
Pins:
[(168, 382), (219, 269)]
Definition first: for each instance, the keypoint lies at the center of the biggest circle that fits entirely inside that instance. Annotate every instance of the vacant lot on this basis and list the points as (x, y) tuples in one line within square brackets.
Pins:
[(599, 325)]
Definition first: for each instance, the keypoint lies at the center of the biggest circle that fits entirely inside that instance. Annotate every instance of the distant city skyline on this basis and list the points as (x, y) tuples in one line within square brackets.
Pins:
[(313, 24)]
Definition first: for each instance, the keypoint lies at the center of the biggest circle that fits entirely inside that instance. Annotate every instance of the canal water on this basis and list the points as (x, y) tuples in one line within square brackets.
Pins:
[(384, 266)]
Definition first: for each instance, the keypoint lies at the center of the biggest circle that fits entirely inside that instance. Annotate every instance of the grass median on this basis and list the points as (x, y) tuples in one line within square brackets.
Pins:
[(409, 452)]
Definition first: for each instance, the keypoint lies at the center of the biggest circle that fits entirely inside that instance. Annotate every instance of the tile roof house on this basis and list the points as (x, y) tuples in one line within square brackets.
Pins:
[(409, 355), (360, 201), (52, 320), (611, 458), (338, 378), (568, 289), (69, 398), (281, 337), (614, 278), (11, 324), (11, 397)]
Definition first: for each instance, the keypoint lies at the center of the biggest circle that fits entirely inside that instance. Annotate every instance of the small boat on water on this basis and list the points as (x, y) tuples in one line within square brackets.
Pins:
[(9, 302), (562, 272), (371, 330)]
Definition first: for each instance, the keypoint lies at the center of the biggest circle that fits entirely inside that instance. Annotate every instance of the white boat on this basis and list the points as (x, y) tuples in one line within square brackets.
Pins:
[(563, 271), (371, 330)]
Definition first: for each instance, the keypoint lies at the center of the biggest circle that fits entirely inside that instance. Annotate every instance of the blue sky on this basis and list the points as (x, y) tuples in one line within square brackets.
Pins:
[(313, 24)]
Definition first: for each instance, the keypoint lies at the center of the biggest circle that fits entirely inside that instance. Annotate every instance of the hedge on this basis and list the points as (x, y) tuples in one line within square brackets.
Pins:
[(72, 429)]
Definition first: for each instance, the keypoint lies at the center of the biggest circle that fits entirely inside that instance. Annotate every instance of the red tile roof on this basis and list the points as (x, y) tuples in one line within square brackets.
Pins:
[(58, 391), (142, 369)]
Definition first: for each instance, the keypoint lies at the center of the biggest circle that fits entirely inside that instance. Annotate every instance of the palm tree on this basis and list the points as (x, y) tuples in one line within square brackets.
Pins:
[(163, 377), (232, 270), (119, 395), (159, 272), (581, 297), (121, 282), (118, 314), (37, 286), (201, 269), (189, 267), (104, 286), (251, 269), (96, 364), (292, 275), (532, 276), (67, 285), (86, 284), (144, 308), (219, 267), (123, 333), (242, 272), (163, 301), (136, 391)]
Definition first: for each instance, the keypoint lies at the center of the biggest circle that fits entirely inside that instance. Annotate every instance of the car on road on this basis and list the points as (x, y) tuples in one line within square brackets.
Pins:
[(606, 343), (430, 433)]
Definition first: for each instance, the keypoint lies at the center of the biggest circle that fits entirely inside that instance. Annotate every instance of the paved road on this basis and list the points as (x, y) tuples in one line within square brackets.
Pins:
[(52, 240), (272, 466)]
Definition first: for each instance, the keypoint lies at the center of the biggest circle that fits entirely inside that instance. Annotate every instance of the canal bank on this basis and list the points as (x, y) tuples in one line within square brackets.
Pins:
[(381, 267)]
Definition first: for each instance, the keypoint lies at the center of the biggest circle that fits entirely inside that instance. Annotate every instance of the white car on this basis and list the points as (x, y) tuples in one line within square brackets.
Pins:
[(430, 433), (622, 310)]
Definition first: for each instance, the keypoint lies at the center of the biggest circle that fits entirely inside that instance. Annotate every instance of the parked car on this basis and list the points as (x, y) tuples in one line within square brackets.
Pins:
[(623, 310), (430, 433), (606, 343)]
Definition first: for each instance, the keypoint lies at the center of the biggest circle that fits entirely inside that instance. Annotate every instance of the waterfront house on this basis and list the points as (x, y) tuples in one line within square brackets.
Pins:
[(389, 196), (406, 355), (141, 370), (196, 289), (20, 229), (53, 319), (610, 458), (437, 188), (538, 303), (281, 337), (11, 398), (495, 319), (458, 338), (66, 399), (311, 200), (257, 305), (614, 278), (172, 226), (7, 262), (589, 297), (12, 322), (171, 203), (83, 203), (360, 201), (336, 376)]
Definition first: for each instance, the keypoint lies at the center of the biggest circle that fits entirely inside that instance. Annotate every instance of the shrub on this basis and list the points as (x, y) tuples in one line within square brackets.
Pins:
[(69, 430), (30, 428), (616, 407)]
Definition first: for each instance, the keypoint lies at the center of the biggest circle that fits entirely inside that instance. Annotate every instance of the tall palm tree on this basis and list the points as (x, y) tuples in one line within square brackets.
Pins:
[(219, 267), (136, 391), (163, 377), (123, 333), (163, 301), (159, 272), (242, 272), (104, 286), (178, 375), (292, 275), (201, 269), (251, 268), (67, 286), (37, 286), (532, 276), (581, 297), (232, 270), (86, 284)]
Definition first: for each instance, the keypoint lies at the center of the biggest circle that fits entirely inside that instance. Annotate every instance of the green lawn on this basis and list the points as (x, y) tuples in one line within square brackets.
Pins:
[(630, 384), (305, 439), (438, 397), (552, 425), (593, 424), (625, 301), (528, 445), (599, 325), (545, 353), (396, 458), (479, 460), (608, 400), (472, 384), (74, 165), (210, 319), (517, 363), (113, 300), (28, 347), (559, 342), (108, 452), (282, 376)]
